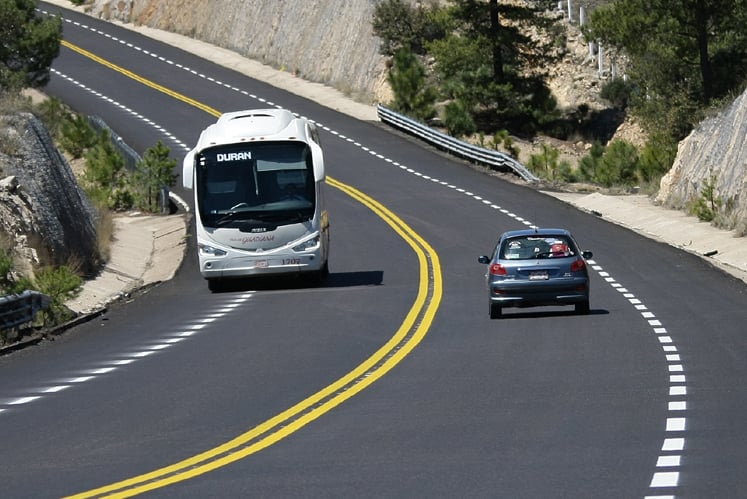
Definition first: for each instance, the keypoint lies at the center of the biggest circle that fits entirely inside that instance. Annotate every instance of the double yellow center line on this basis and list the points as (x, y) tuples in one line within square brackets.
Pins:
[(410, 333)]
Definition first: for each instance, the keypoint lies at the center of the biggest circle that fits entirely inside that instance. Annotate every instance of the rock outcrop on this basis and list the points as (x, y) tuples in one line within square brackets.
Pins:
[(44, 215), (715, 152), (324, 41)]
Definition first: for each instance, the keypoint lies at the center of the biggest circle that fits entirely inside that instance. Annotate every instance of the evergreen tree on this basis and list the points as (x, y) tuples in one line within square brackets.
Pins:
[(152, 174), (412, 95), (400, 25), (490, 61), (29, 43), (683, 54)]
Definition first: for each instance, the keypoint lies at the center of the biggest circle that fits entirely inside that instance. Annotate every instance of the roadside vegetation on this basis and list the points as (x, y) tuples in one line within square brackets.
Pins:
[(30, 45), (476, 69)]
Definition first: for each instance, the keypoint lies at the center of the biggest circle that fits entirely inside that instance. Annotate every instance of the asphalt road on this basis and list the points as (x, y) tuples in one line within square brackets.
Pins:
[(643, 397)]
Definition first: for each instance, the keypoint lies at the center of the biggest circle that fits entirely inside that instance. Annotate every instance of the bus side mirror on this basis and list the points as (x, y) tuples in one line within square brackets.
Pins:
[(188, 167)]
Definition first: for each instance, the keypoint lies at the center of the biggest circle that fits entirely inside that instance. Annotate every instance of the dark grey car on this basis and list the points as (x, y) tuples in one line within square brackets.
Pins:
[(537, 267)]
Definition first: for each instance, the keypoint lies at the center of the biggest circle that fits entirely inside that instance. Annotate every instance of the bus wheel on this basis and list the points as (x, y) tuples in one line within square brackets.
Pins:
[(215, 285)]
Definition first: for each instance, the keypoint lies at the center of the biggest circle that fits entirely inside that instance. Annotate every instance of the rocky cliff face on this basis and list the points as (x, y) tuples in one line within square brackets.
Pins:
[(44, 214), (325, 41), (715, 151)]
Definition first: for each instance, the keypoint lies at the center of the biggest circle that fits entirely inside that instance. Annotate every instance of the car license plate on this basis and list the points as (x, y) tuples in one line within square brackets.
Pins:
[(538, 276)]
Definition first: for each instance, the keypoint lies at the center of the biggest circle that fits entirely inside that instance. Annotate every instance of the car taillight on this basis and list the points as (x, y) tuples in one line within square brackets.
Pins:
[(497, 269), (578, 265)]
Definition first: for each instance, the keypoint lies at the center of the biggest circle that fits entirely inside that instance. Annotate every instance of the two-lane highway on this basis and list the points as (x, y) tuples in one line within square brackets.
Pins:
[(175, 391)]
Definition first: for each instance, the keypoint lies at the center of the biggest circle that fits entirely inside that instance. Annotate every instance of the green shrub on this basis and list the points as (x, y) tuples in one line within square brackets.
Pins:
[(152, 173), (60, 284), (618, 165), (412, 94), (53, 113), (502, 140), (657, 157), (76, 134), (105, 177), (6, 265), (458, 120), (547, 165), (617, 92), (708, 205), (588, 165)]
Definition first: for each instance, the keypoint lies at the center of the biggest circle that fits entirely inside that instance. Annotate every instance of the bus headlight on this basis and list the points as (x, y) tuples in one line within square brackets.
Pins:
[(307, 245), (209, 250)]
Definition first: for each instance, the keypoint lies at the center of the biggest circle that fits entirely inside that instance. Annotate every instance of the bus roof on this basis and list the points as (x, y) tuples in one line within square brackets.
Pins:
[(253, 124)]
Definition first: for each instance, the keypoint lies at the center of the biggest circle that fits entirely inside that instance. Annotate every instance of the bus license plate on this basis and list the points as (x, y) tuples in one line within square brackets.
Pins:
[(261, 264)]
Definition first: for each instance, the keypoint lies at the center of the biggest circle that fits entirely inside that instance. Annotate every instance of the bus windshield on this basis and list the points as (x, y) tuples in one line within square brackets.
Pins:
[(255, 183)]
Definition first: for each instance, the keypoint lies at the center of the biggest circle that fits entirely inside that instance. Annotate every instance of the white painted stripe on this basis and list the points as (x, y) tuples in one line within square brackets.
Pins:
[(672, 444), (142, 354), (668, 461), (678, 406), (80, 379), (23, 400), (675, 391), (676, 424), (665, 479), (160, 346), (101, 370), (54, 389), (123, 362)]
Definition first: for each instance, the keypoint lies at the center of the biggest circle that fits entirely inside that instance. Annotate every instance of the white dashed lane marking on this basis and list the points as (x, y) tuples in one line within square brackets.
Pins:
[(127, 358)]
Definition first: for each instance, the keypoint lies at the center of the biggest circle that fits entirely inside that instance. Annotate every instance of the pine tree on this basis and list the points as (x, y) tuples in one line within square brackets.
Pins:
[(29, 44)]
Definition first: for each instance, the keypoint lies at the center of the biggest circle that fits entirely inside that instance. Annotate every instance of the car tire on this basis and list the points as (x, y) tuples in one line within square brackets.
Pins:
[(496, 312), (582, 307)]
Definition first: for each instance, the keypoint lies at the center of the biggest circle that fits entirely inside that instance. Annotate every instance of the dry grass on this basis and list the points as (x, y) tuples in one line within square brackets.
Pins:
[(104, 232)]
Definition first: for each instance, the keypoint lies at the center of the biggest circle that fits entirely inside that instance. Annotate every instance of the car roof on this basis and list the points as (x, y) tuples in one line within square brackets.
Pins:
[(535, 232)]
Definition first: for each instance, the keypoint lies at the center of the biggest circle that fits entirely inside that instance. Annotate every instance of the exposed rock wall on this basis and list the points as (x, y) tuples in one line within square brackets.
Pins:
[(44, 213), (325, 41), (716, 149)]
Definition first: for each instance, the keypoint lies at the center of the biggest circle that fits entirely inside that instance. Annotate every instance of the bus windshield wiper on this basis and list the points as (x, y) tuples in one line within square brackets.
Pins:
[(233, 216)]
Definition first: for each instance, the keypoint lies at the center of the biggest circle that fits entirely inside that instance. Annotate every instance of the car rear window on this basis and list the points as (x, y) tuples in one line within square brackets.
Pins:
[(531, 247)]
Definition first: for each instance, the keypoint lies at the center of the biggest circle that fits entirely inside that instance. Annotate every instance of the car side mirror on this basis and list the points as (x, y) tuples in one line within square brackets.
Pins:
[(483, 259), (587, 254)]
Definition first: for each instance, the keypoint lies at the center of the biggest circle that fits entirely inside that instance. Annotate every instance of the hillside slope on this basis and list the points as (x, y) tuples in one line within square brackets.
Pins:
[(332, 42)]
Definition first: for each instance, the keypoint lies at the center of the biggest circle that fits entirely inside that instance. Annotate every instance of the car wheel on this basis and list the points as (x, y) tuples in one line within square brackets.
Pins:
[(495, 311), (582, 307)]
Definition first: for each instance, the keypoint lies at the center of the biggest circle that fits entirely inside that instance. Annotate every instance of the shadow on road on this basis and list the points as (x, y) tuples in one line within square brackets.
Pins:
[(275, 283)]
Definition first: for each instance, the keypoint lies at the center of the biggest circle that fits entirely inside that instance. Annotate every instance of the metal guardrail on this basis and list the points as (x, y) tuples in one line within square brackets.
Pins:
[(16, 310), (131, 157), (458, 147)]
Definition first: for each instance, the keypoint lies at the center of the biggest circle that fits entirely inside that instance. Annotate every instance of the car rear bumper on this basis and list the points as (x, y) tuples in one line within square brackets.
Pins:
[(520, 294)]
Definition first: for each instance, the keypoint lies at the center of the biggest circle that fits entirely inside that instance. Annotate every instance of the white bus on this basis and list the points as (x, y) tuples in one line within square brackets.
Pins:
[(259, 193)]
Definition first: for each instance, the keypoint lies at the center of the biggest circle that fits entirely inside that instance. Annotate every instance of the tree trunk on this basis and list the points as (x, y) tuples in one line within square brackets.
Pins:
[(495, 41)]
